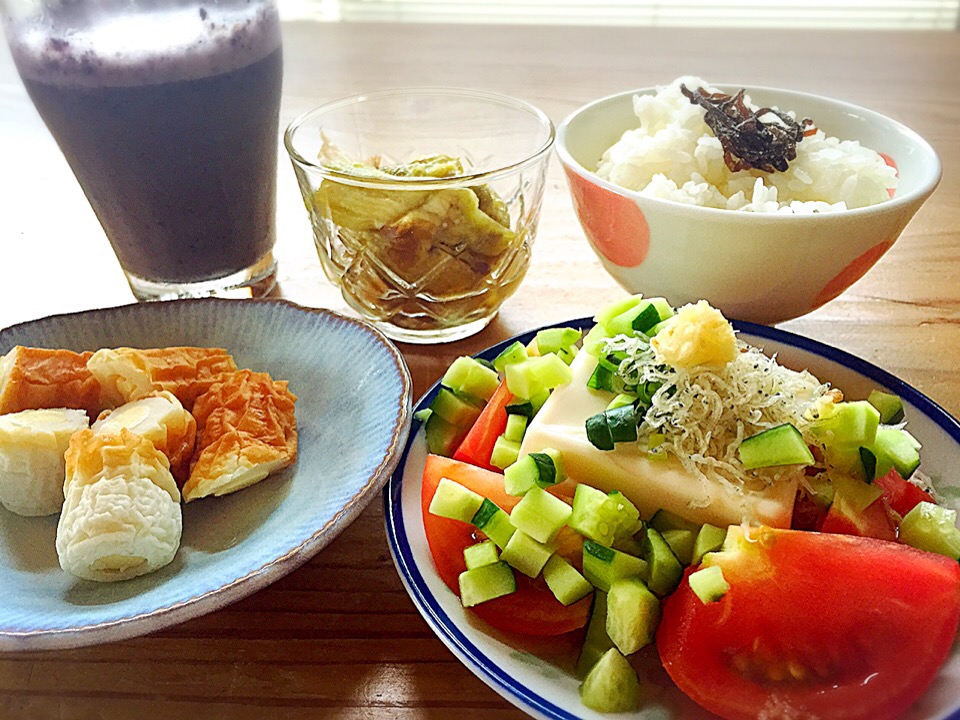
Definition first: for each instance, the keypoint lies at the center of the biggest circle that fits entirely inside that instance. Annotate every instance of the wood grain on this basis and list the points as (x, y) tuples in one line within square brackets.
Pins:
[(339, 637)]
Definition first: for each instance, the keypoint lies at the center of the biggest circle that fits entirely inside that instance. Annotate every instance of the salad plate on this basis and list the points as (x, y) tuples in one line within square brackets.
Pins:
[(349, 444), (537, 677)]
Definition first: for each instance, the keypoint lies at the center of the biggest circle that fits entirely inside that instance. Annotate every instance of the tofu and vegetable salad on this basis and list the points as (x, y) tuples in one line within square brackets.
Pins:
[(659, 481)]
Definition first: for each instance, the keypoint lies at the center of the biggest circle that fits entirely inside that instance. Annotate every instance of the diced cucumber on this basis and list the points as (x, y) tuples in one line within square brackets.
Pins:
[(603, 566), (611, 685), (895, 448), (521, 476), (453, 500), (780, 445), (628, 545), (552, 340), (594, 340), (423, 415), (550, 470), (618, 307), (664, 520), (568, 355), (664, 570), (652, 332), (852, 424), (537, 400), (443, 438), (932, 528), (540, 514), (596, 641), (505, 452), (594, 515), (602, 378), (628, 517), (526, 554), (681, 542), (486, 583), (455, 408), (484, 553), (857, 494), (516, 427), (632, 615), (520, 407), (621, 400), (513, 353), (640, 318), (708, 584), (565, 581), (709, 538), (494, 523), (541, 469), (531, 377), (890, 407), (469, 377)]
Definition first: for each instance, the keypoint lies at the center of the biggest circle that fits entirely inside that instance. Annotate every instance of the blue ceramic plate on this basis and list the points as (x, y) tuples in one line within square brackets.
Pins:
[(353, 416), (523, 674)]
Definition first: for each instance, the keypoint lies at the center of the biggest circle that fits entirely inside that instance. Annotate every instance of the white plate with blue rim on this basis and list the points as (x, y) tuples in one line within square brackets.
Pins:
[(353, 417), (531, 678)]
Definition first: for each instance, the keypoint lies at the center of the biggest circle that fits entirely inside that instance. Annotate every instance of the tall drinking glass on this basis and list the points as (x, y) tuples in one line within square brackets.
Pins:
[(167, 111)]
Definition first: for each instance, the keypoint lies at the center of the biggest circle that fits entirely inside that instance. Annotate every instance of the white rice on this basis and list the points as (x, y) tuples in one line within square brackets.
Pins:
[(673, 155)]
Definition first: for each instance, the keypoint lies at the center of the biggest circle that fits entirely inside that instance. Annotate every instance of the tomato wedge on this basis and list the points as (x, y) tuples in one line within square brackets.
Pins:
[(873, 521), (813, 625), (477, 447), (532, 609), (901, 495)]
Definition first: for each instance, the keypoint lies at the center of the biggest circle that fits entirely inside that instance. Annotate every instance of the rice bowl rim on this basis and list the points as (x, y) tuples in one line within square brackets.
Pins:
[(929, 180)]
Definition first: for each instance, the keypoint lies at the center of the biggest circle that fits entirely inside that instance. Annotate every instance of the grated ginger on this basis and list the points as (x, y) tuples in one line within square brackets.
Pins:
[(697, 335)]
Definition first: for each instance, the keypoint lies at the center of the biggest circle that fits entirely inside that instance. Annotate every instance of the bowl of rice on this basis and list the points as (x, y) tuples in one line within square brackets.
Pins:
[(768, 204)]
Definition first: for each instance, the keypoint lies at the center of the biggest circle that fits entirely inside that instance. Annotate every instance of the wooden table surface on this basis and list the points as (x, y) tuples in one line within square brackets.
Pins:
[(339, 637)]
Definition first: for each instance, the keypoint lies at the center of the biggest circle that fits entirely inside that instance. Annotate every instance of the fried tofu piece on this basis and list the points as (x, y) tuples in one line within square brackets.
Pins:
[(162, 419), (128, 374), (38, 378), (121, 517), (246, 430)]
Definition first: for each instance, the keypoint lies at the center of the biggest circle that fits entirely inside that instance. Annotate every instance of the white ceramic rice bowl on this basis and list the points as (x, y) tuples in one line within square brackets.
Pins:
[(763, 268)]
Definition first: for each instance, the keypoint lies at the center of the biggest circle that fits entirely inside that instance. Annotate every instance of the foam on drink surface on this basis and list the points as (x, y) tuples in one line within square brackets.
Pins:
[(146, 47)]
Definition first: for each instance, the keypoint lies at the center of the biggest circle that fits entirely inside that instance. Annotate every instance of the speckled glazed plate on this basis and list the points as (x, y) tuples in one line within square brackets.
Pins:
[(537, 676), (353, 416)]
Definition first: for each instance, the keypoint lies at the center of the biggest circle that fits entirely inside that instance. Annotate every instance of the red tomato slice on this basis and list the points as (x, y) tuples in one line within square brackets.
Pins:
[(532, 609), (477, 446), (813, 625), (901, 495), (874, 521)]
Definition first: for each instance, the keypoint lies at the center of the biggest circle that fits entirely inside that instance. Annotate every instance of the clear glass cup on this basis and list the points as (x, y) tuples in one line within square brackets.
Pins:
[(424, 203), (167, 112)]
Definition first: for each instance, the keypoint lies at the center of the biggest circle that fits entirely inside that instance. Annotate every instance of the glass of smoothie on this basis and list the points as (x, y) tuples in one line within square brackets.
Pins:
[(167, 112)]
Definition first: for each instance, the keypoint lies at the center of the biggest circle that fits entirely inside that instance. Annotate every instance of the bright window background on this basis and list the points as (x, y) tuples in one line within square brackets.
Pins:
[(838, 14)]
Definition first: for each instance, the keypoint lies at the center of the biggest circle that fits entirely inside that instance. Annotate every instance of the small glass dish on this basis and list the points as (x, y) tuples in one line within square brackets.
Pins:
[(424, 203)]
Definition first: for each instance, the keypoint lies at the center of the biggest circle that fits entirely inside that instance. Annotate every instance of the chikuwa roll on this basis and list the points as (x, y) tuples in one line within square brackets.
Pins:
[(246, 430), (32, 447), (121, 514), (127, 374), (163, 420), (36, 378)]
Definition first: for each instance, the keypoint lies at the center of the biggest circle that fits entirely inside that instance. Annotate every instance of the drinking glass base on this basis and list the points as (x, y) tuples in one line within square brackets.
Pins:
[(252, 282), (429, 337)]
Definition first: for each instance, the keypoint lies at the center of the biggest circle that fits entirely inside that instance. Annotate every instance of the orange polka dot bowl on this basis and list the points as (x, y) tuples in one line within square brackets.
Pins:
[(764, 267)]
